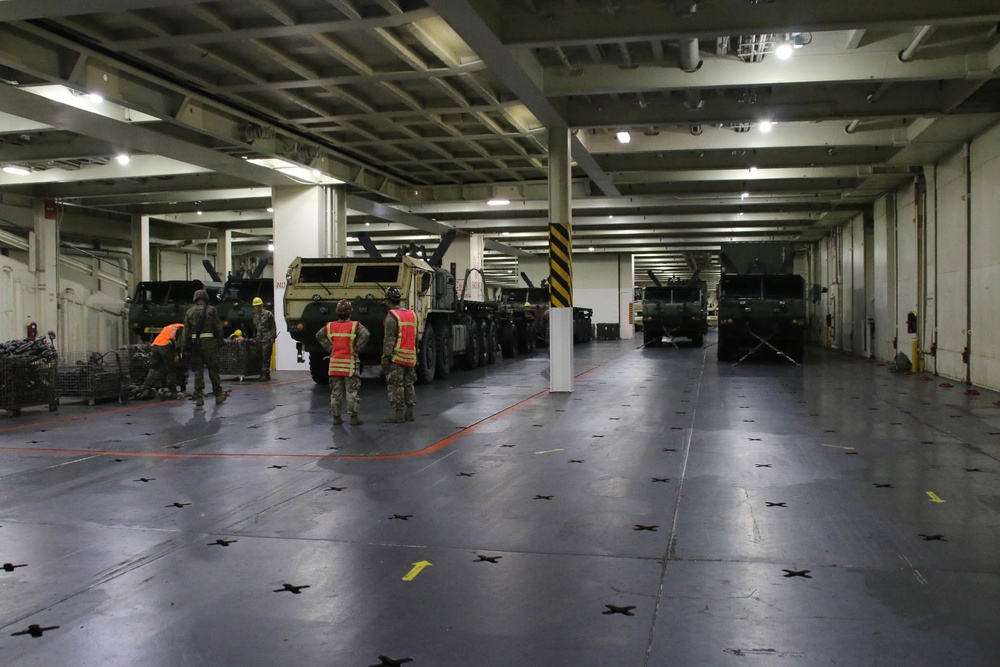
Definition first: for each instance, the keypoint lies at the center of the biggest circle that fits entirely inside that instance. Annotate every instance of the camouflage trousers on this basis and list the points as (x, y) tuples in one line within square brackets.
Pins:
[(399, 380), (266, 345), (205, 353), (339, 386), (162, 368)]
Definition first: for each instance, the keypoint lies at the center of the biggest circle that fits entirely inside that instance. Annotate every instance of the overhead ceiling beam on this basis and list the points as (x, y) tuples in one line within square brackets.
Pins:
[(490, 244), (385, 212), (24, 10), (476, 31)]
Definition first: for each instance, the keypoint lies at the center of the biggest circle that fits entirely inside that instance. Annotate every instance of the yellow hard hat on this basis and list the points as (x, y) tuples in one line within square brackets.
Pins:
[(257, 301), (237, 334)]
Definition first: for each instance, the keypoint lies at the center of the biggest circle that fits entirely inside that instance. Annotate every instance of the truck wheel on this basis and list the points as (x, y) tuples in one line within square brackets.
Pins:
[(698, 340), (723, 352), (491, 342), (470, 358), (319, 367), (443, 343), (508, 341), (426, 356), (482, 328)]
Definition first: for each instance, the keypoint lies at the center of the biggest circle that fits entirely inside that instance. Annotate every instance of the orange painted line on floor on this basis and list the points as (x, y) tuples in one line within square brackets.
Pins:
[(129, 408)]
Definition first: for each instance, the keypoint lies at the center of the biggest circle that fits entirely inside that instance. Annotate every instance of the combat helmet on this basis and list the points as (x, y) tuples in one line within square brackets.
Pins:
[(201, 295)]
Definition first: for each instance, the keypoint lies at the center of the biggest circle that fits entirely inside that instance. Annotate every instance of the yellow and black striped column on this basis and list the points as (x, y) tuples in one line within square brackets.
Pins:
[(560, 265)]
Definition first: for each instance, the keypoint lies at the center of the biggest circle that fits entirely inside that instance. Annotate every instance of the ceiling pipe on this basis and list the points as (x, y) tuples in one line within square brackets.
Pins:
[(852, 126), (690, 54), (906, 55)]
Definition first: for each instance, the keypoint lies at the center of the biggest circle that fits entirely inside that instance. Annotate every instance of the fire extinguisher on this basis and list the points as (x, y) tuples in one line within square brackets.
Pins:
[(32, 331)]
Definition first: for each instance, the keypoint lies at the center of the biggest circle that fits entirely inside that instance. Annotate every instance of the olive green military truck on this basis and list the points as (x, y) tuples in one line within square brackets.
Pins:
[(451, 330), (675, 309), (524, 321), (155, 304), (762, 305)]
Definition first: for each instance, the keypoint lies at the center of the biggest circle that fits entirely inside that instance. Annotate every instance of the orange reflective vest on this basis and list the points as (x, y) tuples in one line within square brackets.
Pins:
[(342, 335), (167, 335), (405, 351)]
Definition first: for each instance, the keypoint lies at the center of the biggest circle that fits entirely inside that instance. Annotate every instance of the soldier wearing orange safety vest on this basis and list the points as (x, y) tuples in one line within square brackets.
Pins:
[(163, 363), (343, 339), (399, 357)]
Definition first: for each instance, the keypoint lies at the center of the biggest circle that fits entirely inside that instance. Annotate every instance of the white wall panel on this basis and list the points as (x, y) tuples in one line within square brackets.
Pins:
[(172, 265), (951, 266), (18, 298), (596, 285), (984, 361), (907, 267), (884, 275), (846, 252)]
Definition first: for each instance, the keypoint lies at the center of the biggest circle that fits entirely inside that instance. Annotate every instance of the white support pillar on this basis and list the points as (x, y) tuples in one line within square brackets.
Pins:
[(560, 262), (224, 253), (140, 250), (337, 205), (466, 252), (302, 228), (46, 239)]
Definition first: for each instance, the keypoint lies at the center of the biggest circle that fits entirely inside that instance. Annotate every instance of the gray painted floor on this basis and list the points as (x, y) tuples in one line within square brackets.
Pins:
[(671, 511)]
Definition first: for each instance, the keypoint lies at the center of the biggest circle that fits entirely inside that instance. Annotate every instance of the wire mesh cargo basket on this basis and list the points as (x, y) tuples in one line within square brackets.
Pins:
[(25, 383), (94, 376), (239, 357)]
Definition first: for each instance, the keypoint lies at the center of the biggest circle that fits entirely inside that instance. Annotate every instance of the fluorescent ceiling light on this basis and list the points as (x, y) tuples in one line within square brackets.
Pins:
[(292, 170), (16, 170), (270, 209), (753, 170), (765, 126), (95, 98), (591, 249), (270, 246), (122, 159), (744, 195), (783, 51), (498, 202), (624, 137)]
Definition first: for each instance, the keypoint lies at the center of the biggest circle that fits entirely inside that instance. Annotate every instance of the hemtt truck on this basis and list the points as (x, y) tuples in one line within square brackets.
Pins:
[(525, 319), (450, 329), (155, 304), (677, 308), (762, 304)]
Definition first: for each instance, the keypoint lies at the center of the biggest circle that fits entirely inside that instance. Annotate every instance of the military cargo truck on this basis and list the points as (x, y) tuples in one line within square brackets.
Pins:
[(525, 321), (762, 304), (236, 303), (451, 330), (678, 308), (155, 304)]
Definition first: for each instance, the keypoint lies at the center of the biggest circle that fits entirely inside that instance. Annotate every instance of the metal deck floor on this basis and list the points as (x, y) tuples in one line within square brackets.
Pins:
[(672, 511)]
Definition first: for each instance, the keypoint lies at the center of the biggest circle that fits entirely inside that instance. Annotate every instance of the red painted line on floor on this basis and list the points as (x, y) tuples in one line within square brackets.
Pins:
[(440, 444), (128, 408)]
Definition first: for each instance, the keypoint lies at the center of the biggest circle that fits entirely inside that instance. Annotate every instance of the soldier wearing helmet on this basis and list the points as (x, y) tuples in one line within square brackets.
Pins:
[(202, 337), (399, 357), (343, 339), (264, 333)]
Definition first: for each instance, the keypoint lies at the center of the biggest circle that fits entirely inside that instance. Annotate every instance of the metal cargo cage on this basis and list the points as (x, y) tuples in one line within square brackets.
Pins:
[(28, 382), (239, 357), (93, 376), (135, 361)]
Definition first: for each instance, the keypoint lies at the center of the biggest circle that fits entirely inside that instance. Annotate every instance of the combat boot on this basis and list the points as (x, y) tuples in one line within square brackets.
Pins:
[(355, 419), (398, 417), (408, 415), (337, 420), (265, 376), (220, 398), (199, 400)]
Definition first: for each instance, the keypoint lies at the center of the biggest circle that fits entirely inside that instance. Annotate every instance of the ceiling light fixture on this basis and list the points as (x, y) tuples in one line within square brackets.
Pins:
[(270, 247), (498, 202), (95, 98), (753, 170), (16, 170), (270, 209), (783, 51), (624, 137), (122, 159), (744, 195), (766, 126), (590, 249)]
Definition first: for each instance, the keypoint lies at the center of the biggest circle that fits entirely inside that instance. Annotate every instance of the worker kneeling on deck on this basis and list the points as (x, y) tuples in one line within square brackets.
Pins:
[(164, 362), (342, 339), (399, 357)]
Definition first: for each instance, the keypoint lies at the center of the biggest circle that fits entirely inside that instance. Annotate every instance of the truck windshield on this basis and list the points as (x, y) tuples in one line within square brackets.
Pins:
[(672, 294), (377, 274), (241, 291), (536, 295), (321, 274), (784, 287), (151, 293), (763, 287)]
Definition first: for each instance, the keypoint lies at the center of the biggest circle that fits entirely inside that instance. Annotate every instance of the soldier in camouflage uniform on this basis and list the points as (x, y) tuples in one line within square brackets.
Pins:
[(343, 339), (200, 344), (264, 333), (163, 363), (399, 357)]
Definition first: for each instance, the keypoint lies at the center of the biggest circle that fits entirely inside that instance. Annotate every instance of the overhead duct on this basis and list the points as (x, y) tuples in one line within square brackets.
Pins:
[(906, 55)]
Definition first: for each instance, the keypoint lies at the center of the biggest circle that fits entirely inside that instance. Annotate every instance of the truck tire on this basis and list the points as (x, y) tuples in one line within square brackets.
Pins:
[(319, 367), (652, 339), (508, 340), (426, 356), (470, 358), (444, 346), (492, 343), (483, 329)]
